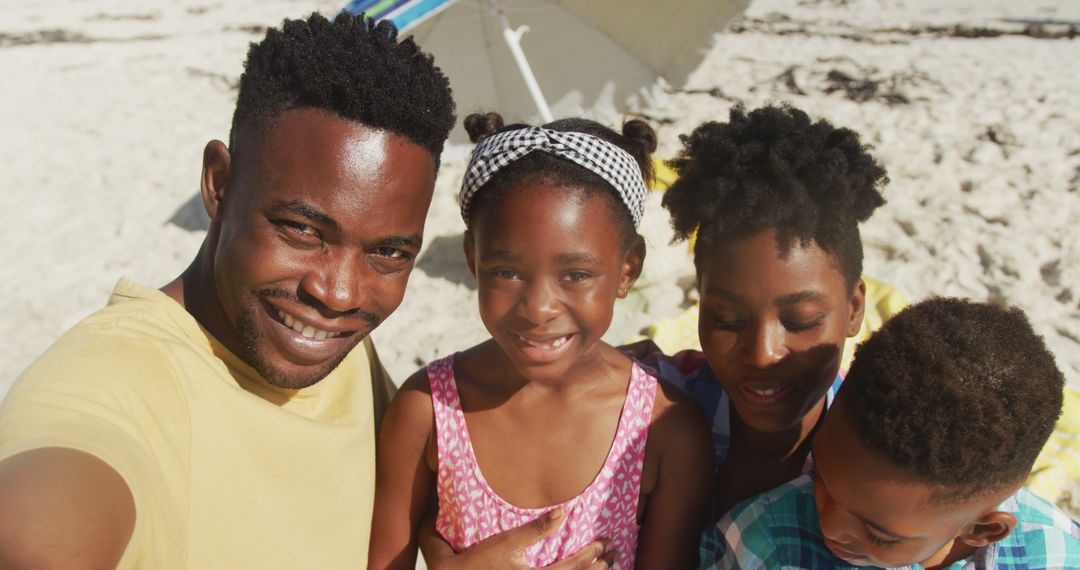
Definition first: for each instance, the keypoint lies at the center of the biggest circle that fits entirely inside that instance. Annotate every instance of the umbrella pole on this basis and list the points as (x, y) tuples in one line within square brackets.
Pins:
[(513, 40)]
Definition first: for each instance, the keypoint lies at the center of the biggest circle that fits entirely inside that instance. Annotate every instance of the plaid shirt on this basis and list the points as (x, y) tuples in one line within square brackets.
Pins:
[(779, 530), (691, 372)]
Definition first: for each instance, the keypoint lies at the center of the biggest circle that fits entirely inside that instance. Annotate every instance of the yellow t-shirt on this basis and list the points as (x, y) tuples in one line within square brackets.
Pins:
[(227, 471)]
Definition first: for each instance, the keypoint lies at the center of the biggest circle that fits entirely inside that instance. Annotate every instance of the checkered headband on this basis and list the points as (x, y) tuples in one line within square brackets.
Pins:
[(610, 162)]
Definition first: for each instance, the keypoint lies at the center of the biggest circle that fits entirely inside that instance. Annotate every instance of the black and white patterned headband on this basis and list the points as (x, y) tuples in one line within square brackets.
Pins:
[(610, 162)]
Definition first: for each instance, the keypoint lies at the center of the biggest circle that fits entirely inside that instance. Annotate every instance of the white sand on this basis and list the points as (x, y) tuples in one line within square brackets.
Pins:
[(102, 141)]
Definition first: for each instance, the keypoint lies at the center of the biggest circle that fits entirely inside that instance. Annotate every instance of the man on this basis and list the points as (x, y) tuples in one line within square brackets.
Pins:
[(227, 420)]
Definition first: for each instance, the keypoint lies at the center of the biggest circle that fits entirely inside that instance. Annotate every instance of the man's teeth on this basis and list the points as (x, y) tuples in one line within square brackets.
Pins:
[(547, 345), (307, 330)]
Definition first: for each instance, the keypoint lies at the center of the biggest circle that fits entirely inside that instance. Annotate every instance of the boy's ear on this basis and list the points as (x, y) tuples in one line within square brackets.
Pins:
[(632, 265), (858, 307), (216, 173), (990, 528), (470, 253)]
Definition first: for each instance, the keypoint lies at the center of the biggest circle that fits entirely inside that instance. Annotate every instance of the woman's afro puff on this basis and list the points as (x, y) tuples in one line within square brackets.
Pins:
[(774, 168), (961, 394), (637, 138), (353, 67)]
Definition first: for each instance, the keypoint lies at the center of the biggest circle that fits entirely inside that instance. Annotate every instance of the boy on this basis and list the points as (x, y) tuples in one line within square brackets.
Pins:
[(920, 460)]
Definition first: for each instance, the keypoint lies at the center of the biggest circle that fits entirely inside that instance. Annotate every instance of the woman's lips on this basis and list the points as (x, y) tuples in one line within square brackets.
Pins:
[(764, 394)]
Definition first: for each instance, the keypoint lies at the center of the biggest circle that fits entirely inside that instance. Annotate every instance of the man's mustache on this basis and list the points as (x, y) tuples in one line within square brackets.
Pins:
[(371, 319)]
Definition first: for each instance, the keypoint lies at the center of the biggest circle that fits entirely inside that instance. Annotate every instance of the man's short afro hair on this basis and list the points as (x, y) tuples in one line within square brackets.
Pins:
[(959, 393), (774, 168), (353, 67)]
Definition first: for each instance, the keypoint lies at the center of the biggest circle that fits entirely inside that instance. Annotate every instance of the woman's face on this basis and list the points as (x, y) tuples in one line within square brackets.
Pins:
[(773, 325)]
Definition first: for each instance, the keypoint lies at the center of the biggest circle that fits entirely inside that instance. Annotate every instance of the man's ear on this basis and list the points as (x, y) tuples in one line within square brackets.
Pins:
[(216, 174), (632, 265), (990, 528), (858, 307), (470, 252)]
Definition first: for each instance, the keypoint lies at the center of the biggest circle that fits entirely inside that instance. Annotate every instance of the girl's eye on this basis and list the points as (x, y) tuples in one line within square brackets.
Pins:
[(878, 541), (504, 273), (576, 276)]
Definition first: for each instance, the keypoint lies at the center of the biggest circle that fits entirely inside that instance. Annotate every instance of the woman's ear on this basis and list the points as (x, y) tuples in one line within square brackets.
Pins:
[(633, 262), (990, 528), (216, 174), (467, 245), (858, 306)]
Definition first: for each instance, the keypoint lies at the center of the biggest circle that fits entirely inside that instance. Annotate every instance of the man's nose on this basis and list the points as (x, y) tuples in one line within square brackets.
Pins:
[(338, 283)]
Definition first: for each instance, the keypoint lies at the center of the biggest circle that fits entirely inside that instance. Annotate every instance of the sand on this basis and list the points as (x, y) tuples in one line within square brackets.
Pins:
[(970, 104)]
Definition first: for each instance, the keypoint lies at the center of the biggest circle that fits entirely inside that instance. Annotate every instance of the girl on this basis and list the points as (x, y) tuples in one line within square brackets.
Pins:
[(545, 416), (774, 200)]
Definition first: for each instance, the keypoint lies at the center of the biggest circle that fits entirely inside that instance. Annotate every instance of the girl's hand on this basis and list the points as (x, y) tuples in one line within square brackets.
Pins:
[(505, 551)]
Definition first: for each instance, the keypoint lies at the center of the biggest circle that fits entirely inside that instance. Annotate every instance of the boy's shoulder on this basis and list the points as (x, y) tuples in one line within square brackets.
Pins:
[(1045, 537), (773, 530)]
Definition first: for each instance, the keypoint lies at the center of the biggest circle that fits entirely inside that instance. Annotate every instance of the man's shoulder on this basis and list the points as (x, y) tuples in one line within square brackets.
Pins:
[(128, 347), (1045, 535)]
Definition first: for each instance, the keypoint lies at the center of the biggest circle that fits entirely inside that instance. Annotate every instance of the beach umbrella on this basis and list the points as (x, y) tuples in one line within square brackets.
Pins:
[(593, 57)]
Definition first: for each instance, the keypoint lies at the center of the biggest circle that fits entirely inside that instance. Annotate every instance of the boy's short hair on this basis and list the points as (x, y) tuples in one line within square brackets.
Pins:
[(353, 67), (775, 168), (962, 394)]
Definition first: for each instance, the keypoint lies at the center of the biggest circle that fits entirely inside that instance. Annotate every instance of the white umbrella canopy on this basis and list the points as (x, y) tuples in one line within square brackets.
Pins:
[(595, 58)]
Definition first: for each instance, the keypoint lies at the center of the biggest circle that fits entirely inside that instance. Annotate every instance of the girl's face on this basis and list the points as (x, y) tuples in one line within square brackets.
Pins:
[(773, 326), (549, 263)]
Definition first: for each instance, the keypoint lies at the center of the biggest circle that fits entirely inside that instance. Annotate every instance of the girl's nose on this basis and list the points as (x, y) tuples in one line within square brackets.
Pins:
[(540, 302)]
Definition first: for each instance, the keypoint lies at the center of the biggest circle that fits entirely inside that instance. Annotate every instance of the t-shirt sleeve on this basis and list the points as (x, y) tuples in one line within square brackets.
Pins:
[(82, 394)]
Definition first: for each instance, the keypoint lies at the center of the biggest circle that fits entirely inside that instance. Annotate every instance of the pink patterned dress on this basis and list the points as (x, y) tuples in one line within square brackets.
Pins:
[(470, 511)]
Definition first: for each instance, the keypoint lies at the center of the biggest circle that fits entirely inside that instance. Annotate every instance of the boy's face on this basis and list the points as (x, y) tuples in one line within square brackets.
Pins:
[(773, 326), (317, 228), (873, 513)]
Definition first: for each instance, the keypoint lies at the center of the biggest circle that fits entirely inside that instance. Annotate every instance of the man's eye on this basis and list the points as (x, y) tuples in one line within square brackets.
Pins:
[(299, 228), (392, 253)]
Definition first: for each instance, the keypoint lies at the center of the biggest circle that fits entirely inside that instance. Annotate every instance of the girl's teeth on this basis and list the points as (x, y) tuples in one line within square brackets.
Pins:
[(766, 391)]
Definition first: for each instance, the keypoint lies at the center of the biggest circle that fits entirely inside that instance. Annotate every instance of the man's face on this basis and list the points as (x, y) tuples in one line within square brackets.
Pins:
[(318, 232), (873, 513)]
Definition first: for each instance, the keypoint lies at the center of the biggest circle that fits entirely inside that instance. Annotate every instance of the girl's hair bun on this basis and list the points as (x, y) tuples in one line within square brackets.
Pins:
[(482, 125), (640, 131)]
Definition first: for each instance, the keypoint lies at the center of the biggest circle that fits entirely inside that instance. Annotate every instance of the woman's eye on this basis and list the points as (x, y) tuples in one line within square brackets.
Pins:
[(802, 325), (727, 324)]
